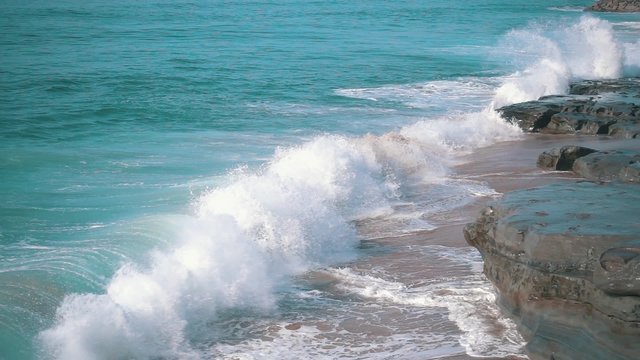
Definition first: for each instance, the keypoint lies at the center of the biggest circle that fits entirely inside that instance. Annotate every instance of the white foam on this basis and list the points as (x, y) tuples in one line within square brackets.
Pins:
[(592, 49), (554, 56), (548, 57), (469, 301), (461, 133), (628, 25), (315, 342), (567, 8), (468, 94)]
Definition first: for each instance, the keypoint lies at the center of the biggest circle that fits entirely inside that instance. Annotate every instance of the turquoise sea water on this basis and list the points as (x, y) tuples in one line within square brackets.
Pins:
[(169, 168)]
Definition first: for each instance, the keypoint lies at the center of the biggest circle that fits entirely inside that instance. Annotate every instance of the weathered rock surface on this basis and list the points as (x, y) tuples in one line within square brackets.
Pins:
[(562, 158), (616, 5), (565, 259), (609, 107), (609, 166), (628, 87)]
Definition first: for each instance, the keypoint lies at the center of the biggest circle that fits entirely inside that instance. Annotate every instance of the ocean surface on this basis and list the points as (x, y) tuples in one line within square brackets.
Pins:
[(212, 179)]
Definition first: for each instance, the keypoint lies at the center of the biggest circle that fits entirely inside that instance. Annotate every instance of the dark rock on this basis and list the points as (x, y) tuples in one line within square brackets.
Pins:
[(616, 6), (629, 129), (563, 158), (572, 123), (565, 259), (628, 87), (609, 107), (531, 115), (609, 166)]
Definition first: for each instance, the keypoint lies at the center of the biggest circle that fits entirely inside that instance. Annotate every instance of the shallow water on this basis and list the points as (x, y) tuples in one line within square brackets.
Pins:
[(186, 179)]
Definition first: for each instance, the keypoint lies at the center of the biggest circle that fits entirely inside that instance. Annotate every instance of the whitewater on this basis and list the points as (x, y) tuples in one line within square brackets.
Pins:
[(277, 244)]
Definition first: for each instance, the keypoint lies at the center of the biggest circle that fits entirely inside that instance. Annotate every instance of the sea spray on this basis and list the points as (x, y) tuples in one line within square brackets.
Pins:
[(592, 50), (250, 236), (555, 57), (547, 58), (632, 59), (244, 239)]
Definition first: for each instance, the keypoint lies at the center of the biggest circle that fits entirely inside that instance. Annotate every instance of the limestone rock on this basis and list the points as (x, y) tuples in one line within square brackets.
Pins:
[(577, 123), (625, 129), (609, 166), (565, 259), (562, 158)]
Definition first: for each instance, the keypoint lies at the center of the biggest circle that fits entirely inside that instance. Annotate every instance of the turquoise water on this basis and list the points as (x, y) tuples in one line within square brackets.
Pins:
[(168, 166)]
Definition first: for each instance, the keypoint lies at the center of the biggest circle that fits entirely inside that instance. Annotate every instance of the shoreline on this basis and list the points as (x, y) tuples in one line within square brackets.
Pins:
[(506, 167), (560, 247)]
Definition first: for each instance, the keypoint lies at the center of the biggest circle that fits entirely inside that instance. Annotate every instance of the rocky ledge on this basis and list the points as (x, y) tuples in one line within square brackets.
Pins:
[(565, 259), (616, 6), (608, 107), (594, 165)]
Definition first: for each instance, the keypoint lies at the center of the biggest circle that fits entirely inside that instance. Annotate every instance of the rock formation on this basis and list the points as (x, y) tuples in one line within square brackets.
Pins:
[(565, 259), (616, 5), (607, 166), (609, 107), (601, 166), (562, 158)]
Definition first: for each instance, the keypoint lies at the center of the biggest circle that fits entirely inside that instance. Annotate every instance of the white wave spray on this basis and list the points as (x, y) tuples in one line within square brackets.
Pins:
[(553, 58), (248, 237)]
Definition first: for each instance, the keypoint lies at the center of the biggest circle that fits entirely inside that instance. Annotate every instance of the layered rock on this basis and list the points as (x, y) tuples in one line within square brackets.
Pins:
[(562, 158), (616, 6), (609, 166), (594, 165), (609, 107), (565, 259)]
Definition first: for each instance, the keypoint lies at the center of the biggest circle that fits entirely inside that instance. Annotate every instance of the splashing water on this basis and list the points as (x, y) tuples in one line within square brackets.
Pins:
[(585, 50)]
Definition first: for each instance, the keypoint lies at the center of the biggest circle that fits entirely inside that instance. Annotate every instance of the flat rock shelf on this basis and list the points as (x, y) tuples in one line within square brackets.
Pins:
[(565, 259)]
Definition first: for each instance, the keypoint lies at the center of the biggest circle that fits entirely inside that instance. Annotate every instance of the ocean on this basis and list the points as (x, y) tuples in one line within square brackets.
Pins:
[(195, 179)]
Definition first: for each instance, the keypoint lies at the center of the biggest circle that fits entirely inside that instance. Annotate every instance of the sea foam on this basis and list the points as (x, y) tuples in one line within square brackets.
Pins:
[(470, 303), (552, 58)]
